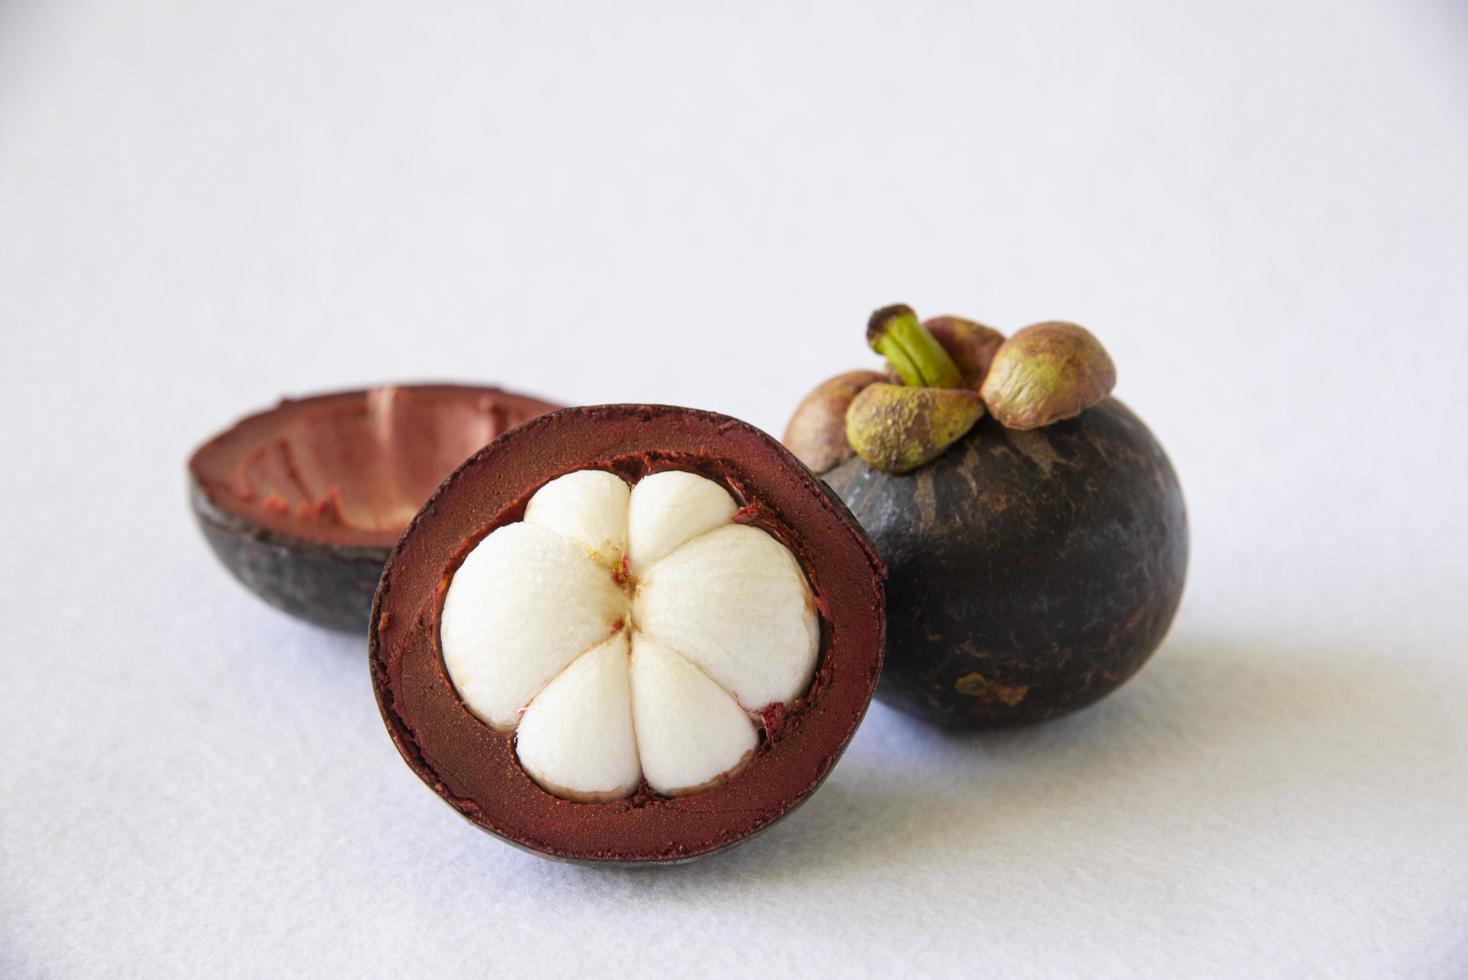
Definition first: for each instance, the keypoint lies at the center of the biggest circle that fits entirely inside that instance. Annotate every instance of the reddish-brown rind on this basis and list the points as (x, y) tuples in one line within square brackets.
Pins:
[(474, 769)]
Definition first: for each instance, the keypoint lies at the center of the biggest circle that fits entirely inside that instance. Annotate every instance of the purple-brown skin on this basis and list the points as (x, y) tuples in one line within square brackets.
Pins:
[(817, 430), (330, 585), (1030, 572), (1046, 373), (1037, 556)]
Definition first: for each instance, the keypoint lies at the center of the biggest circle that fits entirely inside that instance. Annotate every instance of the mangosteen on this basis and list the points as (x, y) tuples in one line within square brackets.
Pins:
[(627, 634), (303, 502), (1036, 553)]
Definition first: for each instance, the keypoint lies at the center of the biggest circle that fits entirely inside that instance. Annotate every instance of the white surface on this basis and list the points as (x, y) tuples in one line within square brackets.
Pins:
[(1261, 208)]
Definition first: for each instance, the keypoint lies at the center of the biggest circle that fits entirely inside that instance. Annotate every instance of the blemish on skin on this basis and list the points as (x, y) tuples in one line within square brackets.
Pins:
[(1035, 447), (968, 467), (924, 496), (971, 684), (976, 685)]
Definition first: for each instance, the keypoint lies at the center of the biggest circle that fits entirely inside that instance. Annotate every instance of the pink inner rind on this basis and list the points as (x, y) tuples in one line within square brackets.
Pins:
[(352, 468)]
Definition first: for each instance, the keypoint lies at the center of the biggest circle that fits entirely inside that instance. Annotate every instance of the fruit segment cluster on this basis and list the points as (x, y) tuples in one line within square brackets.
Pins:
[(629, 633)]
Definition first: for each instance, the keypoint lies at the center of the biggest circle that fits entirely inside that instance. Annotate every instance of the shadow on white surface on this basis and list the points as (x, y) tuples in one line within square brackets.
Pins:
[(1244, 732), (1179, 791)]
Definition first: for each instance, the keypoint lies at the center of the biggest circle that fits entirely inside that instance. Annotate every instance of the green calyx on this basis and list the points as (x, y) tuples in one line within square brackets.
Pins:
[(1046, 373), (896, 428), (899, 427), (953, 370), (915, 354)]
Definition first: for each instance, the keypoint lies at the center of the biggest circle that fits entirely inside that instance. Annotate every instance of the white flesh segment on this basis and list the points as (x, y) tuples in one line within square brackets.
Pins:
[(689, 730), (735, 603), (667, 510), (576, 737), (589, 506), (523, 605)]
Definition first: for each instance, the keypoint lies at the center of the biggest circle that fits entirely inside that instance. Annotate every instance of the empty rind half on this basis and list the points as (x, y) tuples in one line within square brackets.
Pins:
[(547, 618), (351, 468), (303, 502), (628, 634)]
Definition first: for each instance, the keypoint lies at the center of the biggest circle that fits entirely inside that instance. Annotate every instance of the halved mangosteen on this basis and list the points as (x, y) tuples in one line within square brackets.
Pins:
[(628, 634), (303, 502)]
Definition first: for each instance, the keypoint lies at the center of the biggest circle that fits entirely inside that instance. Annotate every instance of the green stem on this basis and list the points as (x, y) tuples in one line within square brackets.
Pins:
[(895, 333)]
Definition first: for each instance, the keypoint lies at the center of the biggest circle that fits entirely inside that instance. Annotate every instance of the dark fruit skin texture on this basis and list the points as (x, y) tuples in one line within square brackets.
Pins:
[(1030, 573), (326, 584)]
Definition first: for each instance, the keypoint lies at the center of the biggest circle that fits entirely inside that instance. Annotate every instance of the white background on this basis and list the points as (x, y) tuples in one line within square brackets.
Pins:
[(1261, 208)]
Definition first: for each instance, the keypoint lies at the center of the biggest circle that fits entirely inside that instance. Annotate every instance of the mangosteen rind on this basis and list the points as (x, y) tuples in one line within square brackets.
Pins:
[(1029, 573), (328, 585), (306, 557)]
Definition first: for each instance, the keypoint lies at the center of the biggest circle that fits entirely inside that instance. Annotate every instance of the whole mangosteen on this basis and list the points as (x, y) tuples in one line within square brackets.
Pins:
[(1036, 552)]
